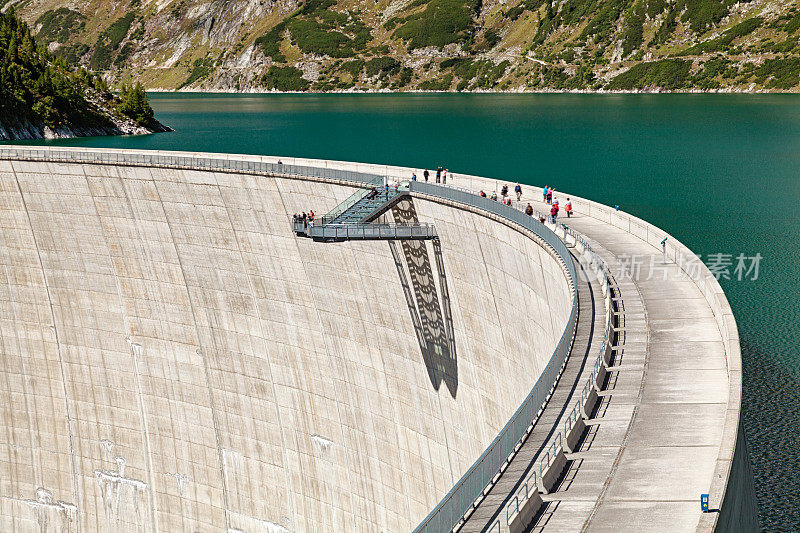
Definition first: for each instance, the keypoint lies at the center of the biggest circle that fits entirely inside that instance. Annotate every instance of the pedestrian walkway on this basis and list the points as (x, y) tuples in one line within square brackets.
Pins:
[(652, 445), (490, 513)]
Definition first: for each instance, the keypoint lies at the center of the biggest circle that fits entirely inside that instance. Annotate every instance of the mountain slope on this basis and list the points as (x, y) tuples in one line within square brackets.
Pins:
[(41, 97), (325, 45)]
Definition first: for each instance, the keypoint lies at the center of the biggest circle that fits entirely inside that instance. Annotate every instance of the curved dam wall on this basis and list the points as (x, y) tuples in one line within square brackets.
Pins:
[(174, 358)]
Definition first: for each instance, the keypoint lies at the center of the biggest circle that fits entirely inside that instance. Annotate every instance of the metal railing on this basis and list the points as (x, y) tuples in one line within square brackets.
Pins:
[(367, 231), (594, 263), (351, 201), (450, 511), (197, 162)]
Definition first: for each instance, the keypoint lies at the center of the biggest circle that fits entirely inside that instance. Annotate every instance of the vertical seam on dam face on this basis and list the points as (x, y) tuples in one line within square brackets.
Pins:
[(203, 355), (70, 430), (133, 355), (32, 427), (287, 477), (332, 356)]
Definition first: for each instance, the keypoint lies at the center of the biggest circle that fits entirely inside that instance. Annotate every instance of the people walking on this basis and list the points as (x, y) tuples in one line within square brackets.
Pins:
[(414, 176), (483, 194), (529, 210), (444, 176), (554, 213), (550, 195), (439, 175), (504, 190), (494, 196), (426, 175), (568, 208), (518, 190), (544, 194)]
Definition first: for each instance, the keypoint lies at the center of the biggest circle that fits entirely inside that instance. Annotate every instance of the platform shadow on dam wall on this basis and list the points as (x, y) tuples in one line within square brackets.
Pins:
[(428, 305)]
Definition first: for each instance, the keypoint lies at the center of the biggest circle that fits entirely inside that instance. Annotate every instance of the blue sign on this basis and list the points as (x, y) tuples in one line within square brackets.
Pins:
[(704, 503)]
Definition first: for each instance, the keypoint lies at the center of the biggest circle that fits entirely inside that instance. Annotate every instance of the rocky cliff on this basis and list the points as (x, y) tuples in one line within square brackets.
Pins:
[(514, 45)]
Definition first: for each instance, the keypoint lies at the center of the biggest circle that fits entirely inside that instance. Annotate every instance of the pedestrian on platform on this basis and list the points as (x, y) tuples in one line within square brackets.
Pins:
[(568, 208), (529, 210), (444, 176), (554, 213), (494, 196), (483, 194), (426, 175), (544, 194), (550, 195), (518, 190), (504, 190), (439, 175), (414, 176)]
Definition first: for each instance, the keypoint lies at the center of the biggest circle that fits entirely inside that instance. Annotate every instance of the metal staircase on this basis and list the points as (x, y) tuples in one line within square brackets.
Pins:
[(351, 219)]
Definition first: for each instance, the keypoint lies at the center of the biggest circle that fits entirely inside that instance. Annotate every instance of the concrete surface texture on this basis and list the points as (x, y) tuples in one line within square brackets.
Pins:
[(175, 359)]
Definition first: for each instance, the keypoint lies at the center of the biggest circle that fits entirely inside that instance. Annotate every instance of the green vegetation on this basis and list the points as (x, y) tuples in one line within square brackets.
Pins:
[(479, 74), (134, 104), (72, 53), (109, 41), (723, 42), (633, 36), (59, 24), (284, 79), (270, 43), (667, 74), (779, 73), (437, 84), (442, 22), (33, 85), (201, 68), (38, 87), (702, 14), (353, 67), (317, 29), (382, 65), (793, 24)]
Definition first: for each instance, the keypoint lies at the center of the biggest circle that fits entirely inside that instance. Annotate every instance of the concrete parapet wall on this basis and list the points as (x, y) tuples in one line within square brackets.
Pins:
[(176, 359)]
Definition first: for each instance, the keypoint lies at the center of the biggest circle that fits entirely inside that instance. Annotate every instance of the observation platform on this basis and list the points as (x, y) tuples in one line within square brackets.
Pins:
[(178, 357)]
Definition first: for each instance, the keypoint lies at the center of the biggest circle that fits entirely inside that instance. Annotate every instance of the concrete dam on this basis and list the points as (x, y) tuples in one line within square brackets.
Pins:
[(176, 358)]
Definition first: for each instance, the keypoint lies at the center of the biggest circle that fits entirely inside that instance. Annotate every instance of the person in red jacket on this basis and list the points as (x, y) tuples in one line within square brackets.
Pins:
[(568, 208)]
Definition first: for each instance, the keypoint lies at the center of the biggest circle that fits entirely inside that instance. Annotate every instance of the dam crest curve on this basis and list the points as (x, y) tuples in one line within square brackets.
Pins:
[(234, 505)]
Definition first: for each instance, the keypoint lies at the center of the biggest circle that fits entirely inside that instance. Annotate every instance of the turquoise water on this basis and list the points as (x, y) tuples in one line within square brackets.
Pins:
[(719, 172)]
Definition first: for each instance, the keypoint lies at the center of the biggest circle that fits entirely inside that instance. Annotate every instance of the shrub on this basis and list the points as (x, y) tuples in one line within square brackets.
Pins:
[(109, 40), (59, 24), (723, 42), (353, 67), (200, 69), (437, 85), (492, 37), (779, 73), (666, 73), (441, 23), (270, 43), (284, 79), (381, 65)]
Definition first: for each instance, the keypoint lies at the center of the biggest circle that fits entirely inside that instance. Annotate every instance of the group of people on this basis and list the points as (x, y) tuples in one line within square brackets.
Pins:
[(441, 175), (305, 218), (547, 197)]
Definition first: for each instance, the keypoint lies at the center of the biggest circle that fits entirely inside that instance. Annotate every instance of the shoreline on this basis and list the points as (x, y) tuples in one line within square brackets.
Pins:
[(160, 90)]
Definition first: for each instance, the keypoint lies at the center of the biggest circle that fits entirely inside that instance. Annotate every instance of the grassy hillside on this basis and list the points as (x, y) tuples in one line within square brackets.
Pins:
[(38, 89), (325, 45)]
